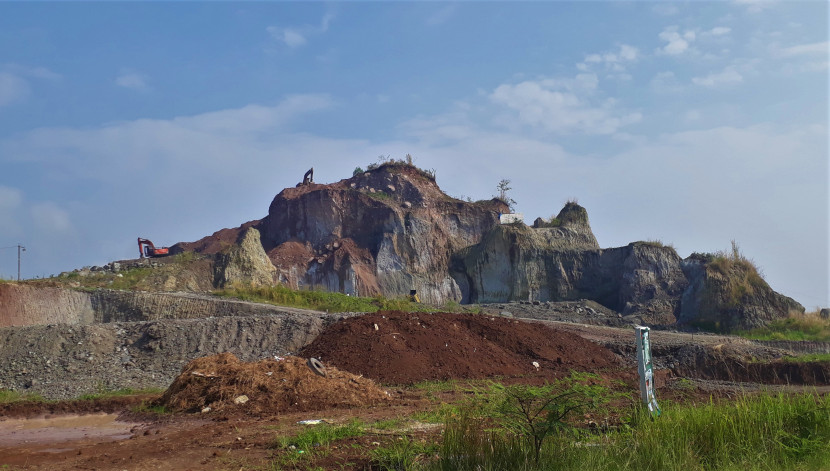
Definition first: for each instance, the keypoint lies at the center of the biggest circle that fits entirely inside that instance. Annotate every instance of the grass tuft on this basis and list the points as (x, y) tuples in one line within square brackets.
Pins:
[(320, 300), (804, 327)]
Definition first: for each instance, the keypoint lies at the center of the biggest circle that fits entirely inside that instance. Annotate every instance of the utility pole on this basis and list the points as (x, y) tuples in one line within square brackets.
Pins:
[(20, 248)]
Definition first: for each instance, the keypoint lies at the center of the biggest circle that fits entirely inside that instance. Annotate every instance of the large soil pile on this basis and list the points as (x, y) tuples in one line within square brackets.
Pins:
[(270, 385), (404, 348)]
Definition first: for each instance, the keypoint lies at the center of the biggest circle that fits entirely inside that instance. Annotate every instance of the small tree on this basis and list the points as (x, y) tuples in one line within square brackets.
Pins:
[(357, 171), (535, 412), (503, 187)]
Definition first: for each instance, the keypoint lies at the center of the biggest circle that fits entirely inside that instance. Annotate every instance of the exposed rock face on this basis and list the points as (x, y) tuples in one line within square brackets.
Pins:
[(390, 230), (245, 262), (381, 232), (26, 305), (560, 264), (725, 295)]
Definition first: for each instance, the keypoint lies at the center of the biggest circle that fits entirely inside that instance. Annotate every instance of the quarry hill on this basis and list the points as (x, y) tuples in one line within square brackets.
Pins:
[(391, 229)]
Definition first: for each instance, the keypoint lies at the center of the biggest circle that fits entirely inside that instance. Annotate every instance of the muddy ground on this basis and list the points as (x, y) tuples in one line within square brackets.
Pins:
[(388, 352)]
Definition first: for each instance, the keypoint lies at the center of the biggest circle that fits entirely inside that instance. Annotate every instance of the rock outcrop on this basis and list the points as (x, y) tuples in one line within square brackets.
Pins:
[(245, 262), (390, 230), (726, 294)]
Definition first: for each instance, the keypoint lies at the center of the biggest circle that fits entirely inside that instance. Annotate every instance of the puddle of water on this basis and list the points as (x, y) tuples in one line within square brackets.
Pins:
[(100, 427)]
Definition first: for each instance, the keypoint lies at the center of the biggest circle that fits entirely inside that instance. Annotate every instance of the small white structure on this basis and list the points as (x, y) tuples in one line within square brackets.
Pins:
[(511, 218)]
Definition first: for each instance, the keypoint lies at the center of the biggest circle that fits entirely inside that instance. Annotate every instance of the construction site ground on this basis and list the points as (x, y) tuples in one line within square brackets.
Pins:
[(364, 354)]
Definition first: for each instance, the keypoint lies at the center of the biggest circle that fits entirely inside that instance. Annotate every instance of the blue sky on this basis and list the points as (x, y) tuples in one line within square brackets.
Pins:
[(694, 123)]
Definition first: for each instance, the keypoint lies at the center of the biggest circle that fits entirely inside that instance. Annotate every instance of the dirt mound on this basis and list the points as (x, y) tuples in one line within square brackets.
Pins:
[(404, 348), (271, 386)]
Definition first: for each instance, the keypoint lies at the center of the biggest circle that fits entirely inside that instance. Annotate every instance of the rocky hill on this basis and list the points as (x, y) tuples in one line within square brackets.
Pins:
[(385, 231), (392, 229)]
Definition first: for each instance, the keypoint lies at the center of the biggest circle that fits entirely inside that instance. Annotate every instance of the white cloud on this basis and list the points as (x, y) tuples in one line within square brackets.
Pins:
[(676, 42), (611, 61), (297, 36), (10, 198), (293, 38), (132, 81), (718, 31), (32, 72), (819, 48), (728, 76), (15, 81), (51, 218), (12, 88), (563, 105)]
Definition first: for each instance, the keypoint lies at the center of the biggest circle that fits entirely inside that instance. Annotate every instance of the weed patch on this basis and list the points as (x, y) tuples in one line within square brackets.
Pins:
[(783, 432), (798, 328), (404, 454), (320, 300), (8, 396)]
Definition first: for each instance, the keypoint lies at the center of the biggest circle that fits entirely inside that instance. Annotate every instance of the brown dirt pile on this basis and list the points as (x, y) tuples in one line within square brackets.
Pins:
[(272, 386), (407, 347)]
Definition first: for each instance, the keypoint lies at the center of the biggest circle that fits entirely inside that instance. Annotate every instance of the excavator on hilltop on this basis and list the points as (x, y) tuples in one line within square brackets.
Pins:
[(147, 249)]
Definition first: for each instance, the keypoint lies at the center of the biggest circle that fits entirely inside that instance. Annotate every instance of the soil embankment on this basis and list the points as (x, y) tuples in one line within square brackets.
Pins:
[(396, 347)]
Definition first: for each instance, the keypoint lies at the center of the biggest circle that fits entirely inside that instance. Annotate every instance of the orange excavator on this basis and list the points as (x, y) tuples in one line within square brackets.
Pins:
[(147, 249)]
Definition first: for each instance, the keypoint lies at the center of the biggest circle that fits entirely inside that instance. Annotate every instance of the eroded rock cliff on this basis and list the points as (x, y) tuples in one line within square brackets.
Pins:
[(392, 229)]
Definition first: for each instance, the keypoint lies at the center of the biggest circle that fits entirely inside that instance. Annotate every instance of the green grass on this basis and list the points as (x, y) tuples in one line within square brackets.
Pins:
[(103, 394), (657, 243), (438, 415), (798, 328), (388, 424), (7, 397), (379, 195), (145, 407), (311, 443), (321, 435), (808, 358), (403, 454), (321, 300), (767, 432), (432, 387)]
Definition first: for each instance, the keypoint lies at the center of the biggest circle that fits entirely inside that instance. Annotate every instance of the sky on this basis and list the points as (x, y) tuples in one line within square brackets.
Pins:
[(692, 123)]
